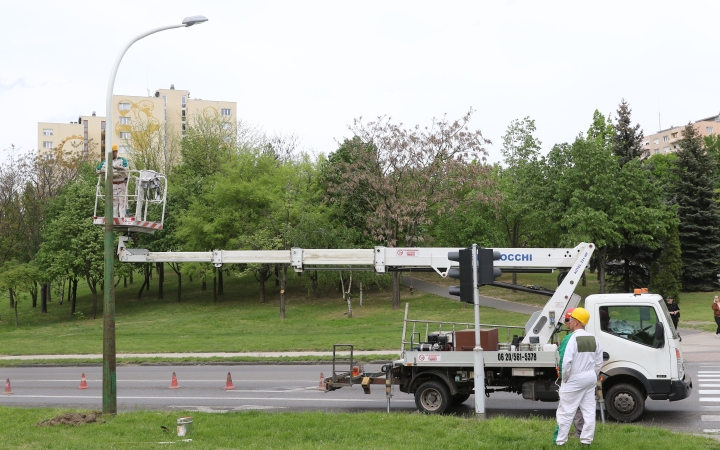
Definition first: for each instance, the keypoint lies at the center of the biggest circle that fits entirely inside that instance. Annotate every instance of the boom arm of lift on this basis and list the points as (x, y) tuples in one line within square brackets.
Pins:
[(541, 325)]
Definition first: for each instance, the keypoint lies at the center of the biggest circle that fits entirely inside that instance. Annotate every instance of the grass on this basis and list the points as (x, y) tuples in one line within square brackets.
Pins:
[(237, 322), (316, 430)]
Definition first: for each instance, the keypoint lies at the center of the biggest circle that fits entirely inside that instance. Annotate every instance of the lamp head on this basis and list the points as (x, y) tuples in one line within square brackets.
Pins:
[(192, 20)]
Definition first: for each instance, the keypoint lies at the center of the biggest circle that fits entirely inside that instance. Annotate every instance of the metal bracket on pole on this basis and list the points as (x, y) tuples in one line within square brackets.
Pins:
[(217, 258), (380, 259), (296, 259)]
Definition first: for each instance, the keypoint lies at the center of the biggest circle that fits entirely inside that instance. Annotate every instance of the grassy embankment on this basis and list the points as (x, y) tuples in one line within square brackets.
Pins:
[(237, 322), (258, 430)]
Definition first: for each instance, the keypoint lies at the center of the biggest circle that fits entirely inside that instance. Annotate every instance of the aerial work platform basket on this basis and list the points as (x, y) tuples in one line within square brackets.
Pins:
[(138, 203)]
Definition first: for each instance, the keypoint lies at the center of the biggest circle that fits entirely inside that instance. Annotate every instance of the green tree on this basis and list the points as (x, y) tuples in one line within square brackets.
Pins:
[(627, 139), (666, 272), (407, 176), (16, 278), (698, 213)]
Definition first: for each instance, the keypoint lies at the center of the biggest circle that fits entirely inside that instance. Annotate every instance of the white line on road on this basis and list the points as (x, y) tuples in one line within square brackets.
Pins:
[(708, 371), (710, 418), (708, 385), (713, 430), (710, 399), (710, 408), (709, 392), (324, 399)]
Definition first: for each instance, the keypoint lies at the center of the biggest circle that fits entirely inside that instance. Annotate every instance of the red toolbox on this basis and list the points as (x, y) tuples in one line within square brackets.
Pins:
[(465, 339)]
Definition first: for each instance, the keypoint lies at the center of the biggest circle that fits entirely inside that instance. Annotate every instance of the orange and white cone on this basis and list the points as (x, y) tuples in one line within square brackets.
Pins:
[(8, 389), (229, 384), (322, 386), (83, 382), (174, 383)]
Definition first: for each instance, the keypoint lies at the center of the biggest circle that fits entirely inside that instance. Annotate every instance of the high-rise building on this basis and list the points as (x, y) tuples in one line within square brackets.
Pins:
[(667, 141), (169, 111)]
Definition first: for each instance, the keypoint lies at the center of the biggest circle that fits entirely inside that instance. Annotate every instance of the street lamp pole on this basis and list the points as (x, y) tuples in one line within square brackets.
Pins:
[(109, 353)]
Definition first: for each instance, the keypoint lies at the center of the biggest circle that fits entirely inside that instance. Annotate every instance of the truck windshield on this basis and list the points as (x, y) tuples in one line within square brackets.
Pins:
[(668, 320), (636, 323)]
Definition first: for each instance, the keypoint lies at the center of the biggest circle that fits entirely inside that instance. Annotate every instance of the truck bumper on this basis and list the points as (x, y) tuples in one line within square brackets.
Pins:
[(680, 389)]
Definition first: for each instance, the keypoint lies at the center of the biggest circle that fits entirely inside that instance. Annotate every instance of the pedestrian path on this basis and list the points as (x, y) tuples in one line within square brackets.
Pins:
[(708, 389)]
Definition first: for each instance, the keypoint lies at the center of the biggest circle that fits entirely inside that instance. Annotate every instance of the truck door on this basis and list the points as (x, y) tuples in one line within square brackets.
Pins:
[(634, 337)]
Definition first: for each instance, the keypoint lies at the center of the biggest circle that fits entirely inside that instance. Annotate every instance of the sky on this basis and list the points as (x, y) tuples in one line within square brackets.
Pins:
[(311, 67)]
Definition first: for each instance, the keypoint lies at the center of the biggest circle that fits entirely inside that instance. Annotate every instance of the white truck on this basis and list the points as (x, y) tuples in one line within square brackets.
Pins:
[(641, 348), (643, 355)]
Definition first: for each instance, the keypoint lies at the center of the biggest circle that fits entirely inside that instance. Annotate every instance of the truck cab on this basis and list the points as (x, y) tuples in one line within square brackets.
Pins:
[(642, 351)]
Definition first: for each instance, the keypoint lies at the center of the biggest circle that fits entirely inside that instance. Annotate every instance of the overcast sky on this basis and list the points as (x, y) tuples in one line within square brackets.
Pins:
[(310, 67)]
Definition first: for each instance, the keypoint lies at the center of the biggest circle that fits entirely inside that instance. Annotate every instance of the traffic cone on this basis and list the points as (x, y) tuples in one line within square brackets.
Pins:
[(322, 386), (8, 389), (174, 383), (229, 383), (83, 382)]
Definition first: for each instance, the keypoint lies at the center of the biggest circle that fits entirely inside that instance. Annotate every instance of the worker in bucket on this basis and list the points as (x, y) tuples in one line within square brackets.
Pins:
[(578, 419), (120, 178), (580, 367)]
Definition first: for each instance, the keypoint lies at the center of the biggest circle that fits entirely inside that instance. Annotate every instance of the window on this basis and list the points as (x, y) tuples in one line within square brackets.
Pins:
[(657, 150), (47, 131), (226, 126), (47, 144), (637, 324), (124, 106), (184, 101), (124, 135), (656, 141), (124, 149), (666, 149), (225, 111), (674, 135), (646, 143), (124, 121), (708, 130), (48, 156), (646, 154), (666, 138)]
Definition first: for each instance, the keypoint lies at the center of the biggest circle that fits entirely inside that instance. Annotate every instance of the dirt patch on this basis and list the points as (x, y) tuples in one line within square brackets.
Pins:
[(71, 419)]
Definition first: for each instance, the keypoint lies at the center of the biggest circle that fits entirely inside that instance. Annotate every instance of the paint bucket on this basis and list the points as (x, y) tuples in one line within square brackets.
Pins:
[(184, 426), (504, 347), (524, 347)]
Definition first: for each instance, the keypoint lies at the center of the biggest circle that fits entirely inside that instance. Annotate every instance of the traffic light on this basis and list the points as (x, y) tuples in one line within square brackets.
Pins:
[(486, 270), (465, 273)]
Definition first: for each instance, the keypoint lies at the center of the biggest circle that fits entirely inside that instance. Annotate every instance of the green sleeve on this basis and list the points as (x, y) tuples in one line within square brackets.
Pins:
[(561, 350), (100, 166)]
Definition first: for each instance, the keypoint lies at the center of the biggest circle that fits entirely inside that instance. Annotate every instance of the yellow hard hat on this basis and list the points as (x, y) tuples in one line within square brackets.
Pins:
[(581, 314), (114, 148)]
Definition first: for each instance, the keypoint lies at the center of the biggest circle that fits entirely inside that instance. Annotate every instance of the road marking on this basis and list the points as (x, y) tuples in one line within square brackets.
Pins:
[(708, 379), (709, 392), (708, 371), (710, 399), (282, 399), (713, 430), (710, 418), (708, 385), (710, 408)]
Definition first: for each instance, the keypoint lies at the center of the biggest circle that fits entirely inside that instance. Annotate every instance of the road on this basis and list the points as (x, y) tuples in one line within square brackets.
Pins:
[(295, 388)]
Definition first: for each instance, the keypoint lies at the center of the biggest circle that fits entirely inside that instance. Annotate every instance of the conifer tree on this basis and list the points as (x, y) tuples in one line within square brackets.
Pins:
[(665, 273), (698, 213), (627, 140)]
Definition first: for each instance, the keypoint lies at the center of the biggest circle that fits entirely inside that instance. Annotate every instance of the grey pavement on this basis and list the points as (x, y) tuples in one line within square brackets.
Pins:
[(490, 302)]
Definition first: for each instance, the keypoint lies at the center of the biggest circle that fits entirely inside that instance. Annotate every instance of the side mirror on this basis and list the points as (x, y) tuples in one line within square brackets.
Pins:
[(606, 356)]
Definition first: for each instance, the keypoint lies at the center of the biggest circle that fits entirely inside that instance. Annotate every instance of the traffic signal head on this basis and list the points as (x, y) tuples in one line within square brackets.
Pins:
[(486, 270), (464, 273)]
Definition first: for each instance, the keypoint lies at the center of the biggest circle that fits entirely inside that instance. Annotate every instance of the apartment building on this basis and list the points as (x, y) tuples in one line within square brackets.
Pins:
[(170, 109), (666, 141)]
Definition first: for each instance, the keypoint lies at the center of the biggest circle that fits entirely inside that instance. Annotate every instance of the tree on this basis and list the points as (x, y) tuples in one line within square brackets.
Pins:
[(666, 272), (16, 278), (71, 243), (626, 139), (698, 212), (403, 177)]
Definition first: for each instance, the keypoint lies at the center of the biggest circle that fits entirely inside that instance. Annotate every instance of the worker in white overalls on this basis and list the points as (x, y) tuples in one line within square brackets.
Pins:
[(120, 178), (581, 365)]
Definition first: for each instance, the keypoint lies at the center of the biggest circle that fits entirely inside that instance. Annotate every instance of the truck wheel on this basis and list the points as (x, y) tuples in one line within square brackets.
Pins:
[(432, 397), (459, 399), (625, 402)]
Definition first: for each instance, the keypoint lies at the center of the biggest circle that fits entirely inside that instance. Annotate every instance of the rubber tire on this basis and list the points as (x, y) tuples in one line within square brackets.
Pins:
[(459, 399), (432, 397), (625, 402)]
